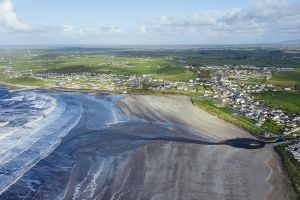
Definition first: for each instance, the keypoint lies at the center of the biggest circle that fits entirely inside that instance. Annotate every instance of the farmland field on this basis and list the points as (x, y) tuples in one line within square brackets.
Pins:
[(287, 101), (287, 79)]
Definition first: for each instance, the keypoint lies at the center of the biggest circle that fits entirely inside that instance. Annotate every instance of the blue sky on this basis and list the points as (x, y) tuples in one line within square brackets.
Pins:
[(148, 22)]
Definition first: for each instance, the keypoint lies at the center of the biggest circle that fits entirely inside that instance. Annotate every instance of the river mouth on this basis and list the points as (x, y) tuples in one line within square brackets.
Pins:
[(109, 154)]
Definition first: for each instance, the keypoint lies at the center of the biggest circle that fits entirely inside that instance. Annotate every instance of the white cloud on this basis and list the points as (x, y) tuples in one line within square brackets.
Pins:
[(115, 29), (262, 21), (263, 17), (9, 18), (108, 30), (74, 31), (143, 29)]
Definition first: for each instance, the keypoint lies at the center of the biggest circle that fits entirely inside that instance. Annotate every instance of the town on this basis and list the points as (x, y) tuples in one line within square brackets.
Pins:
[(294, 149)]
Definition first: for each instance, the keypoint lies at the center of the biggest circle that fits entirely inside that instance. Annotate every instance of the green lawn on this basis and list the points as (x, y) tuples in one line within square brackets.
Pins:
[(287, 101)]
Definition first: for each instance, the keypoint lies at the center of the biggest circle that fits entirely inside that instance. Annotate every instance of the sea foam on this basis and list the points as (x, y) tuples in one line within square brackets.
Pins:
[(34, 133)]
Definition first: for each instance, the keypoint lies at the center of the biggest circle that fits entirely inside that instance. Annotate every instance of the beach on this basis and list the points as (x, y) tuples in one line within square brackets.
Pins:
[(149, 147), (213, 172)]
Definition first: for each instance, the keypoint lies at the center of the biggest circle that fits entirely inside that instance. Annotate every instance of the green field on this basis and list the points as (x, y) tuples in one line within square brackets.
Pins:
[(227, 55), (160, 68), (287, 101), (213, 107), (164, 63), (23, 81), (287, 79), (292, 166)]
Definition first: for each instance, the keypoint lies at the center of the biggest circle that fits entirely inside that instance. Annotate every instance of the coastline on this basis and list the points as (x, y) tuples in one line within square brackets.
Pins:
[(16, 88), (179, 110), (13, 87)]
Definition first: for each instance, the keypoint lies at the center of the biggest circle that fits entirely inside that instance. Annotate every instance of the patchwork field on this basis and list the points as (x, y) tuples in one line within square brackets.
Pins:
[(158, 67)]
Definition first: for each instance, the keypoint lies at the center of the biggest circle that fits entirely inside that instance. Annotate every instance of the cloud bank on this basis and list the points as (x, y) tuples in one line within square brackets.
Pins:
[(9, 18), (262, 21), (74, 31), (263, 17)]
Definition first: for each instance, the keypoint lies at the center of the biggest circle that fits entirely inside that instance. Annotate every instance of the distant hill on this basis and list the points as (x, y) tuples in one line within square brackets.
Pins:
[(291, 42)]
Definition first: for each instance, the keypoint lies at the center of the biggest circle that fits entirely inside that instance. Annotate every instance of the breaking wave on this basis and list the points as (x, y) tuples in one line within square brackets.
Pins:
[(32, 125)]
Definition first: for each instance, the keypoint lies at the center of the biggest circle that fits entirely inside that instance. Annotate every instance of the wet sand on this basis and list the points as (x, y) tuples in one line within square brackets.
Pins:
[(189, 171), (179, 110)]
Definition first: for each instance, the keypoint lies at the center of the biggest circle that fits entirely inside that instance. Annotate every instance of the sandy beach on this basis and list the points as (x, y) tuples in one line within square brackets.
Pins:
[(179, 110), (152, 147), (199, 171)]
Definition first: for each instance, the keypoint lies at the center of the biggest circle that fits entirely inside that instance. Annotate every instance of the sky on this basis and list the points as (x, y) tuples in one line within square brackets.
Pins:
[(139, 22)]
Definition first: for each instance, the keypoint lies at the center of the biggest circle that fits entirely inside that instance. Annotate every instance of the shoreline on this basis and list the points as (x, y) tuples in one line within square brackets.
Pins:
[(13, 87), (17, 88)]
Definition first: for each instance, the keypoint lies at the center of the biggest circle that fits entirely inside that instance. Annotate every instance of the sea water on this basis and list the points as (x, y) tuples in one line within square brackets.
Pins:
[(32, 125)]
